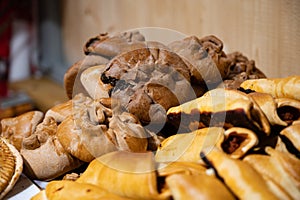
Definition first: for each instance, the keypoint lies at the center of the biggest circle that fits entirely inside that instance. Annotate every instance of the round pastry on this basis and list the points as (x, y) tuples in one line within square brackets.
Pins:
[(11, 166), (148, 81)]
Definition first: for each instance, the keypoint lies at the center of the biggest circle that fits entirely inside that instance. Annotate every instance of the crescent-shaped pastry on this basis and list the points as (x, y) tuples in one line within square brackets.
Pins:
[(186, 147), (65, 190), (289, 162), (269, 106), (189, 168), (288, 109), (292, 132), (288, 87), (126, 174), (280, 167), (240, 177), (11, 166), (200, 186), (277, 182), (238, 141), (219, 107)]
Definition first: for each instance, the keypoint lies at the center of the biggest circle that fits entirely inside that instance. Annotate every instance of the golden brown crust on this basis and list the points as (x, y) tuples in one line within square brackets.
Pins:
[(15, 129), (69, 136), (183, 186), (287, 87), (134, 172), (11, 166), (240, 177)]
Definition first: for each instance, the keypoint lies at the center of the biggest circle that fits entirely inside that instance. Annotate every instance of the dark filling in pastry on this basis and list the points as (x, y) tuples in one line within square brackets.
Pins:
[(288, 114), (233, 142), (227, 119)]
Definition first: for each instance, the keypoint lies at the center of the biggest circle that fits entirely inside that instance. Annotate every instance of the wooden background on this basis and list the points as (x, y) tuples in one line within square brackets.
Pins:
[(267, 31)]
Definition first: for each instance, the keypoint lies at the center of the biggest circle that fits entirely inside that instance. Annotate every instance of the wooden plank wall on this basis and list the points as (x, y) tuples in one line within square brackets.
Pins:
[(267, 31)]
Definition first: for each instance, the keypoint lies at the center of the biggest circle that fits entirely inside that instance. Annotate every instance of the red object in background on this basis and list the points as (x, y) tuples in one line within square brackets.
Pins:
[(6, 16)]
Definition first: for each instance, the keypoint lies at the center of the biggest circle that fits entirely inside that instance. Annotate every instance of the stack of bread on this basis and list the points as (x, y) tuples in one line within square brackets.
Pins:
[(149, 120)]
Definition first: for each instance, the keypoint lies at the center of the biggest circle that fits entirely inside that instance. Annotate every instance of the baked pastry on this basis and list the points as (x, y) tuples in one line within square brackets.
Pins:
[(44, 157), (269, 106), (280, 169), (126, 174), (292, 133), (287, 87), (60, 111), (239, 176), (239, 70), (90, 79), (288, 109), (186, 147), (17, 128), (238, 141), (219, 107), (205, 56), (92, 130), (148, 81), (183, 186), (72, 82), (11, 166), (64, 190), (109, 46)]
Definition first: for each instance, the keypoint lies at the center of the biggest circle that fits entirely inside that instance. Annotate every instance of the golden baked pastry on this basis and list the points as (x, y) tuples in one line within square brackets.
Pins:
[(11, 166), (186, 147), (279, 168), (126, 174), (195, 187), (239, 176), (287, 87), (219, 107), (238, 141)]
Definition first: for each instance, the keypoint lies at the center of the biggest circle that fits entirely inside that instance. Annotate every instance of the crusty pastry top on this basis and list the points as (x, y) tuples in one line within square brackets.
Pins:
[(11, 166)]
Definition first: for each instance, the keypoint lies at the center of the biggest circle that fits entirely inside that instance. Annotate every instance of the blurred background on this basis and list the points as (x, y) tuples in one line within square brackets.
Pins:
[(40, 40)]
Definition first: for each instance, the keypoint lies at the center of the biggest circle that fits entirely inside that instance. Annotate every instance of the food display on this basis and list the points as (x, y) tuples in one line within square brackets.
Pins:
[(149, 120)]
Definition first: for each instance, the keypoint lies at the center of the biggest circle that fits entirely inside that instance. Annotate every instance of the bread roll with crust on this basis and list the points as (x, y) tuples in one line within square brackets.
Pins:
[(15, 129), (287, 87), (243, 180)]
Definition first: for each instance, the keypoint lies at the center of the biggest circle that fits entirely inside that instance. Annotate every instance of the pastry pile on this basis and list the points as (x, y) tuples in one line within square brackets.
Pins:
[(182, 120)]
